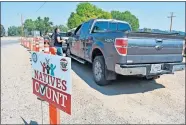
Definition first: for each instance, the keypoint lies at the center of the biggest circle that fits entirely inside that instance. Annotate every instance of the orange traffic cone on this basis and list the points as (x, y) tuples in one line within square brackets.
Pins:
[(37, 46), (34, 45), (30, 43), (52, 50), (46, 48), (41, 44)]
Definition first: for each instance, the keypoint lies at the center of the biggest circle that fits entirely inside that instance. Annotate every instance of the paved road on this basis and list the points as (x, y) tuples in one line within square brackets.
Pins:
[(127, 100), (8, 42)]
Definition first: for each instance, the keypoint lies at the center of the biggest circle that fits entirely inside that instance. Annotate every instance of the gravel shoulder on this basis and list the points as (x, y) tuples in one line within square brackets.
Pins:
[(127, 100)]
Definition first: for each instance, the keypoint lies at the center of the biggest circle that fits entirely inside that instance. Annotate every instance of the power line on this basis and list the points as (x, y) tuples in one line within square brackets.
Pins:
[(41, 6), (22, 22), (171, 17)]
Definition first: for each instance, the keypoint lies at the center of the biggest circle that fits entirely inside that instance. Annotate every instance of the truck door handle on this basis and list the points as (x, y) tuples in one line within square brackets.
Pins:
[(159, 40)]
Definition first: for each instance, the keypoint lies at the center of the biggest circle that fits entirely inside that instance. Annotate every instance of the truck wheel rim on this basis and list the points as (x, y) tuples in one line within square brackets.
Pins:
[(97, 71)]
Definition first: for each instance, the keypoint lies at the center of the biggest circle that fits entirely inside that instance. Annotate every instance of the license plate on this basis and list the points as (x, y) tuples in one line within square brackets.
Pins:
[(155, 68)]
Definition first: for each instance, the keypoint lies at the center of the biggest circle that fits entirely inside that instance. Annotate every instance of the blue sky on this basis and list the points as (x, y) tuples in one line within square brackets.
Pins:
[(150, 14)]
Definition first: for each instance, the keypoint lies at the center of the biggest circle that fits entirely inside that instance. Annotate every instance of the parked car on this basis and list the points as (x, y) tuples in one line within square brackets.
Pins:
[(113, 49)]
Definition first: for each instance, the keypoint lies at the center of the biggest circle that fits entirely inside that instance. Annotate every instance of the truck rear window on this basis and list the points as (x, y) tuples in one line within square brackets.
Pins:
[(123, 27), (104, 26), (112, 27)]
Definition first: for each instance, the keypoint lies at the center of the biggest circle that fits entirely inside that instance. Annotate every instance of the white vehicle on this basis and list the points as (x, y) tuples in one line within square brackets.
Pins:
[(64, 36)]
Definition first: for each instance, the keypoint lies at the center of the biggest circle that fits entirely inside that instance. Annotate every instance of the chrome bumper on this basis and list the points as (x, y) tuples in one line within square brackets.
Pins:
[(144, 69)]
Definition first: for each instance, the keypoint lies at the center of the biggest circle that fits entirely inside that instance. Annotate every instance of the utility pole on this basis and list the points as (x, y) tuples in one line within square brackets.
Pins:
[(22, 25), (171, 17)]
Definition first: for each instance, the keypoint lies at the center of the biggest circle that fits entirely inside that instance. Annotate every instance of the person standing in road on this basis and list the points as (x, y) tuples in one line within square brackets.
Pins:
[(58, 42)]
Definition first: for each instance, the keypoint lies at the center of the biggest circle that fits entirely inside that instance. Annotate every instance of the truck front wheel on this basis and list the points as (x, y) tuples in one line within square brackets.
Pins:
[(99, 69)]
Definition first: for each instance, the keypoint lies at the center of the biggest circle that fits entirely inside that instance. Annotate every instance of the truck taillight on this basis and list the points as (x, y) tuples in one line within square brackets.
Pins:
[(121, 45)]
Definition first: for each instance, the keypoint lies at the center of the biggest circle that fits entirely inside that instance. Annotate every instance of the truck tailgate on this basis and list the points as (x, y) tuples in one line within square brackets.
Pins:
[(154, 48)]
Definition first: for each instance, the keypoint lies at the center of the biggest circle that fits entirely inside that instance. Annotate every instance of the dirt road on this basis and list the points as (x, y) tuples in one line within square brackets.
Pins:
[(127, 100)]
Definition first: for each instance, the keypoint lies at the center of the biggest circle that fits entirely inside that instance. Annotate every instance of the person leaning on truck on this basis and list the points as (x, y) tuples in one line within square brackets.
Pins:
[(58, 42)]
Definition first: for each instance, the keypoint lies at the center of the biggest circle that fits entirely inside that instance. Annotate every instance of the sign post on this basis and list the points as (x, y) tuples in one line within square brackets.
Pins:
[(54, 114), (51, 78)]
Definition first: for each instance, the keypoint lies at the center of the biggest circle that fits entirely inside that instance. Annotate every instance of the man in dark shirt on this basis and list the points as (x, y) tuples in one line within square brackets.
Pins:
[(58, 42)]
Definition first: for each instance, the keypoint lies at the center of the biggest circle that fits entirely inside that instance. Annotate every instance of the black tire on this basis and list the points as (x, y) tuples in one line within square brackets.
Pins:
[(102, 81), (152, 77)]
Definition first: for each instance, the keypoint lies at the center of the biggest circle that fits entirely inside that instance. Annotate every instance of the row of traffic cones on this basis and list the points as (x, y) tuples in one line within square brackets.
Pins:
[(37, 44)]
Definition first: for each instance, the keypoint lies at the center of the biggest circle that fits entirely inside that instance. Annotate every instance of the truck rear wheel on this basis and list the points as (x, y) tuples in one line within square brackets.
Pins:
[(99, 69)]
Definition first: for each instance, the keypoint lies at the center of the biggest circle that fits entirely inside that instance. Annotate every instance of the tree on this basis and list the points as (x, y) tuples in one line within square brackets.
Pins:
[(14, 31), (39, 24), (43, 25), (19, 30), (128, 17), (29, 25), (47, 24), (84, 12), (2, 30), (62, 28), (74, 20)]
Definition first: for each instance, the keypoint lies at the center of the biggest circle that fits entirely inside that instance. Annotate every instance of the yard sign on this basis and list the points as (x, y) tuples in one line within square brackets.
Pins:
[(51, 77)]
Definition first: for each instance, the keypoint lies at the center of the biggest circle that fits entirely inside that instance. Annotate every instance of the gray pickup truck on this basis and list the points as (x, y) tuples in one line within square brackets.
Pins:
[(113, 49)]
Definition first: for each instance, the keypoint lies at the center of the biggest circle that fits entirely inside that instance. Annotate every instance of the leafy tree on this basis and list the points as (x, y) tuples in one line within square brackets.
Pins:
[(62, 28), (39, 24), (19, 30), (74, 20), (29, 25), (13, 31), (105, 15), (128, 17), (47, 23), (2, 30), (86, 11)]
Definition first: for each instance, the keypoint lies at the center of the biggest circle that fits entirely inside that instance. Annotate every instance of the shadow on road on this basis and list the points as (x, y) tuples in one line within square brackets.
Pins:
[(123, 85), (31, 122)]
